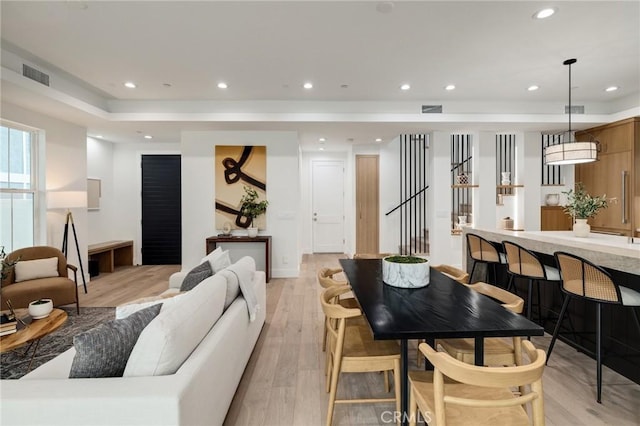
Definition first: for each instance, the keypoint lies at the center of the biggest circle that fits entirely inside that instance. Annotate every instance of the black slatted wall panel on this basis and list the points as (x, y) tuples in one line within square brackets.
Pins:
[(461, 164), (550, 174), (161, 210), (413, 186)]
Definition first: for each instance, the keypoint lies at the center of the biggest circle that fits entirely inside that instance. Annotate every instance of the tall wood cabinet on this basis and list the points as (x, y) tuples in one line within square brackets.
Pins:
[(616, 174)]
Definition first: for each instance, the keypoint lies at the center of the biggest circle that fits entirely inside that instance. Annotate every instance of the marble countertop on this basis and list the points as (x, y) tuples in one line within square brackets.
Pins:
[(610, 251)]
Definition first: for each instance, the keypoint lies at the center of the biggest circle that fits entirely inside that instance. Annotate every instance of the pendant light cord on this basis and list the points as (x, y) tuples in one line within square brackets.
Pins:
[(570, 62)]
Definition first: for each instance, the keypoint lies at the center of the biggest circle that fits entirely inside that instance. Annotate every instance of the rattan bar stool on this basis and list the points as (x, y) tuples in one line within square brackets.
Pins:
[(583, 279), (484, 251), (522, 263)]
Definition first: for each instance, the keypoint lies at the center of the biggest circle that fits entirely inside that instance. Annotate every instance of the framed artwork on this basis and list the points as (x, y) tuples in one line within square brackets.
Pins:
[(238, 166), (94, 192)]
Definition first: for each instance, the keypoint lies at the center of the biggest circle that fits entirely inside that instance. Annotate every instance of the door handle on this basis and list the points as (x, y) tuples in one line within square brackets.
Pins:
[(624, 196)]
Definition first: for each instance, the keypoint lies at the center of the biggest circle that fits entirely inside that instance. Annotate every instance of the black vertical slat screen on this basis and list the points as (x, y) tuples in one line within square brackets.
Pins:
[(161, 210), (413, 184), (461, 164), (550, 174), (505, 160)]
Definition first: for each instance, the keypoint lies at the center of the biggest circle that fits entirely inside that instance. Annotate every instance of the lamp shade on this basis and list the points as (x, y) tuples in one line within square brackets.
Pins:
[(66, 199), (571, 153)]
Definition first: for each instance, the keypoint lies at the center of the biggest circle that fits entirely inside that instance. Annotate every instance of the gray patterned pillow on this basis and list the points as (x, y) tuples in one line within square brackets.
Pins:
[(196, 276), (104, 350)]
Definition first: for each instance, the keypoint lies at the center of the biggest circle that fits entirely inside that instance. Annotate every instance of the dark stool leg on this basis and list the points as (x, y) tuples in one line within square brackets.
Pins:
[(529, 304), (635, 316), (599, 350), (473, 268), (540, 320), (557, 329), (511, 285)]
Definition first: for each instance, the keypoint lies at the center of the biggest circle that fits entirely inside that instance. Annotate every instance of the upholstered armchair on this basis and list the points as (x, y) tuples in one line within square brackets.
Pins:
[(41, 272)]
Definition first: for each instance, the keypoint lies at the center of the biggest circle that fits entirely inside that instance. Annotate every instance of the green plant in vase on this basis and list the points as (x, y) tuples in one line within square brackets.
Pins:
[(251, 207), (5, 265), (582, 206)]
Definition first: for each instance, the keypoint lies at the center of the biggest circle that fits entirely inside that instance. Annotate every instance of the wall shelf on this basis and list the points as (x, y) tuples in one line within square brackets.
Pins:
[(467, 185), (509, 186)]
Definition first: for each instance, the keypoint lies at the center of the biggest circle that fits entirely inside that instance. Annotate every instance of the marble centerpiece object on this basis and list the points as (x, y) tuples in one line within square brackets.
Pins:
[(405, 275)]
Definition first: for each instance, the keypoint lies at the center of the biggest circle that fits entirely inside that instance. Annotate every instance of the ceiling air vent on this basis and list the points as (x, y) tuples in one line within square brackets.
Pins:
[(432, 109), (35, 75), (575, 109)]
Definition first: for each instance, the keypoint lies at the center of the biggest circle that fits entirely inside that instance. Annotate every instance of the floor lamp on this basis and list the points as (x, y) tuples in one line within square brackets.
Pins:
[(68, 200)]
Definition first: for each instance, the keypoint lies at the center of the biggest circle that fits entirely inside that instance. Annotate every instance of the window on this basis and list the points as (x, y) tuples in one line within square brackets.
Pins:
[(18, 186)]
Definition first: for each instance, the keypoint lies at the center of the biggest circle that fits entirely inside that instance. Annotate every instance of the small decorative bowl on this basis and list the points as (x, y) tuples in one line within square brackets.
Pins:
[(405, 275), (40, 308)]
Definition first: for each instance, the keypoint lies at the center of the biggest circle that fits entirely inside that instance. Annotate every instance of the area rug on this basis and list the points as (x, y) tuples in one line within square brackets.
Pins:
[(13, 365)]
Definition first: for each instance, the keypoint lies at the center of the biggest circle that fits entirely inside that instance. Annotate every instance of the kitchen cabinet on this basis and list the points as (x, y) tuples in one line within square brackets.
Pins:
[(614, 174), (553, 218)]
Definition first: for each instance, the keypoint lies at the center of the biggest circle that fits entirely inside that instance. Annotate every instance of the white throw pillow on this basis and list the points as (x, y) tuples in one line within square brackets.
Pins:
[(38, 268), (127, 309), (170, 338), (232, 285), (218, 259)]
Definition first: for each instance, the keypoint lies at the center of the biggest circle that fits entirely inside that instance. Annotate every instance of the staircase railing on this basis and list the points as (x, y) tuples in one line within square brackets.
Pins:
[(414, 158)]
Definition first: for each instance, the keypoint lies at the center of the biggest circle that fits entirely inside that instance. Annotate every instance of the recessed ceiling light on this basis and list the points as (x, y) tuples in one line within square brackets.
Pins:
[(532, 88), (405, 87), (99, 136), (130, 85), (322, 139), (321, 148), (611, 89), (148, 137), (450, 87), (308, 85), (222, 85), (378, 139), (544, 13)]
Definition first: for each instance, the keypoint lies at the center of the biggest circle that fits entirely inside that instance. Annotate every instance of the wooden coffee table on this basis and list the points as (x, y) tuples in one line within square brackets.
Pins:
[(35, 330)]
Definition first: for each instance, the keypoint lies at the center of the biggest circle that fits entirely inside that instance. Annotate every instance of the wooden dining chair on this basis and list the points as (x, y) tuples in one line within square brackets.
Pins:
[(457, 393), (585, 280), (453, 273), (351, 349), (497, 351), (371, 255), (481, 250), (326, 280)]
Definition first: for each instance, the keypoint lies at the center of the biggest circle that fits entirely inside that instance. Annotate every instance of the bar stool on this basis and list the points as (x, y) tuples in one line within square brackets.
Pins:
[(522, 263), (482, 250), (583, 279)]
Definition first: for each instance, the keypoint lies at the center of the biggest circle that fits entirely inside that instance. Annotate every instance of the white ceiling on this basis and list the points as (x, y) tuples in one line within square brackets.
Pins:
[(491, 51)]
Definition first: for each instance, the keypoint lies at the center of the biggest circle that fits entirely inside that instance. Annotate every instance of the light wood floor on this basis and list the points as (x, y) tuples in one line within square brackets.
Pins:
[(283, 383)]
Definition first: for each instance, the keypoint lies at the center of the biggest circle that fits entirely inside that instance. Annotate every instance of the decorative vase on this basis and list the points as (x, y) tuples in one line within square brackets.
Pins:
[(506, 178), (581, 228), (552, 199), (252, 232), (398, 272), (462, 179), (40, 308)]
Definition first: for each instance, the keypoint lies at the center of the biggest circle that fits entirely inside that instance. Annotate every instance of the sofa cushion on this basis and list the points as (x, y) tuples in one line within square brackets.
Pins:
[(171, 337), (104, 350), (38, 268), (218, 259), (167, 299), (232, 286), (196, 275)]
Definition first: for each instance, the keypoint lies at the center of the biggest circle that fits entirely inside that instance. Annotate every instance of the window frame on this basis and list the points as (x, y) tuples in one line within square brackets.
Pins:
[(34, 188)]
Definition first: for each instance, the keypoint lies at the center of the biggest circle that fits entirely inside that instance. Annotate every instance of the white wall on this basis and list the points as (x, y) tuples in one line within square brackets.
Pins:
[(63, 161), (100, 165), (283, 193), (389, 197)]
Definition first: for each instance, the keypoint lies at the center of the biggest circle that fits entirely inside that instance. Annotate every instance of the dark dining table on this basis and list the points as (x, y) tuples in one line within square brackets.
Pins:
[(444, 309)]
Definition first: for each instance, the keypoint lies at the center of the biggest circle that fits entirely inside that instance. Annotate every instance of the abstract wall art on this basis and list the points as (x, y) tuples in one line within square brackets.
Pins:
[(236, 167)]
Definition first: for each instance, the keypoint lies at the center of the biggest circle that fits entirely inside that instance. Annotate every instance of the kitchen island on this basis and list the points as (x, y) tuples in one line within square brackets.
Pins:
[(618, 255)]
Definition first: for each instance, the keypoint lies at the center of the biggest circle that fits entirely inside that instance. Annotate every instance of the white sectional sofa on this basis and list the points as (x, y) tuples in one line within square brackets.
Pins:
[(199, 393)]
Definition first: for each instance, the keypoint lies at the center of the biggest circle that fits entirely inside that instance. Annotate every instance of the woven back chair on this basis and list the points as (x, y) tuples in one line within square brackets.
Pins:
[(453, 273), (456, 393), (523, 263), (583, 279), (326, 280), (482, 250)]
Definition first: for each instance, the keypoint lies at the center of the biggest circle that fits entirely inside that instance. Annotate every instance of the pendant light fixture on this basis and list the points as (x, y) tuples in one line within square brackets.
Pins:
[(570, 151)]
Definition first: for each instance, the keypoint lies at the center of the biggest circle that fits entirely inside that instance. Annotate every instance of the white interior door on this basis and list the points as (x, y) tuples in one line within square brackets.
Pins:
[(327, 207)]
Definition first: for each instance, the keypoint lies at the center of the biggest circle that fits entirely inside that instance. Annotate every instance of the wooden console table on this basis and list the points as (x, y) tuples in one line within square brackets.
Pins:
[(111, 254), (240, 246)]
